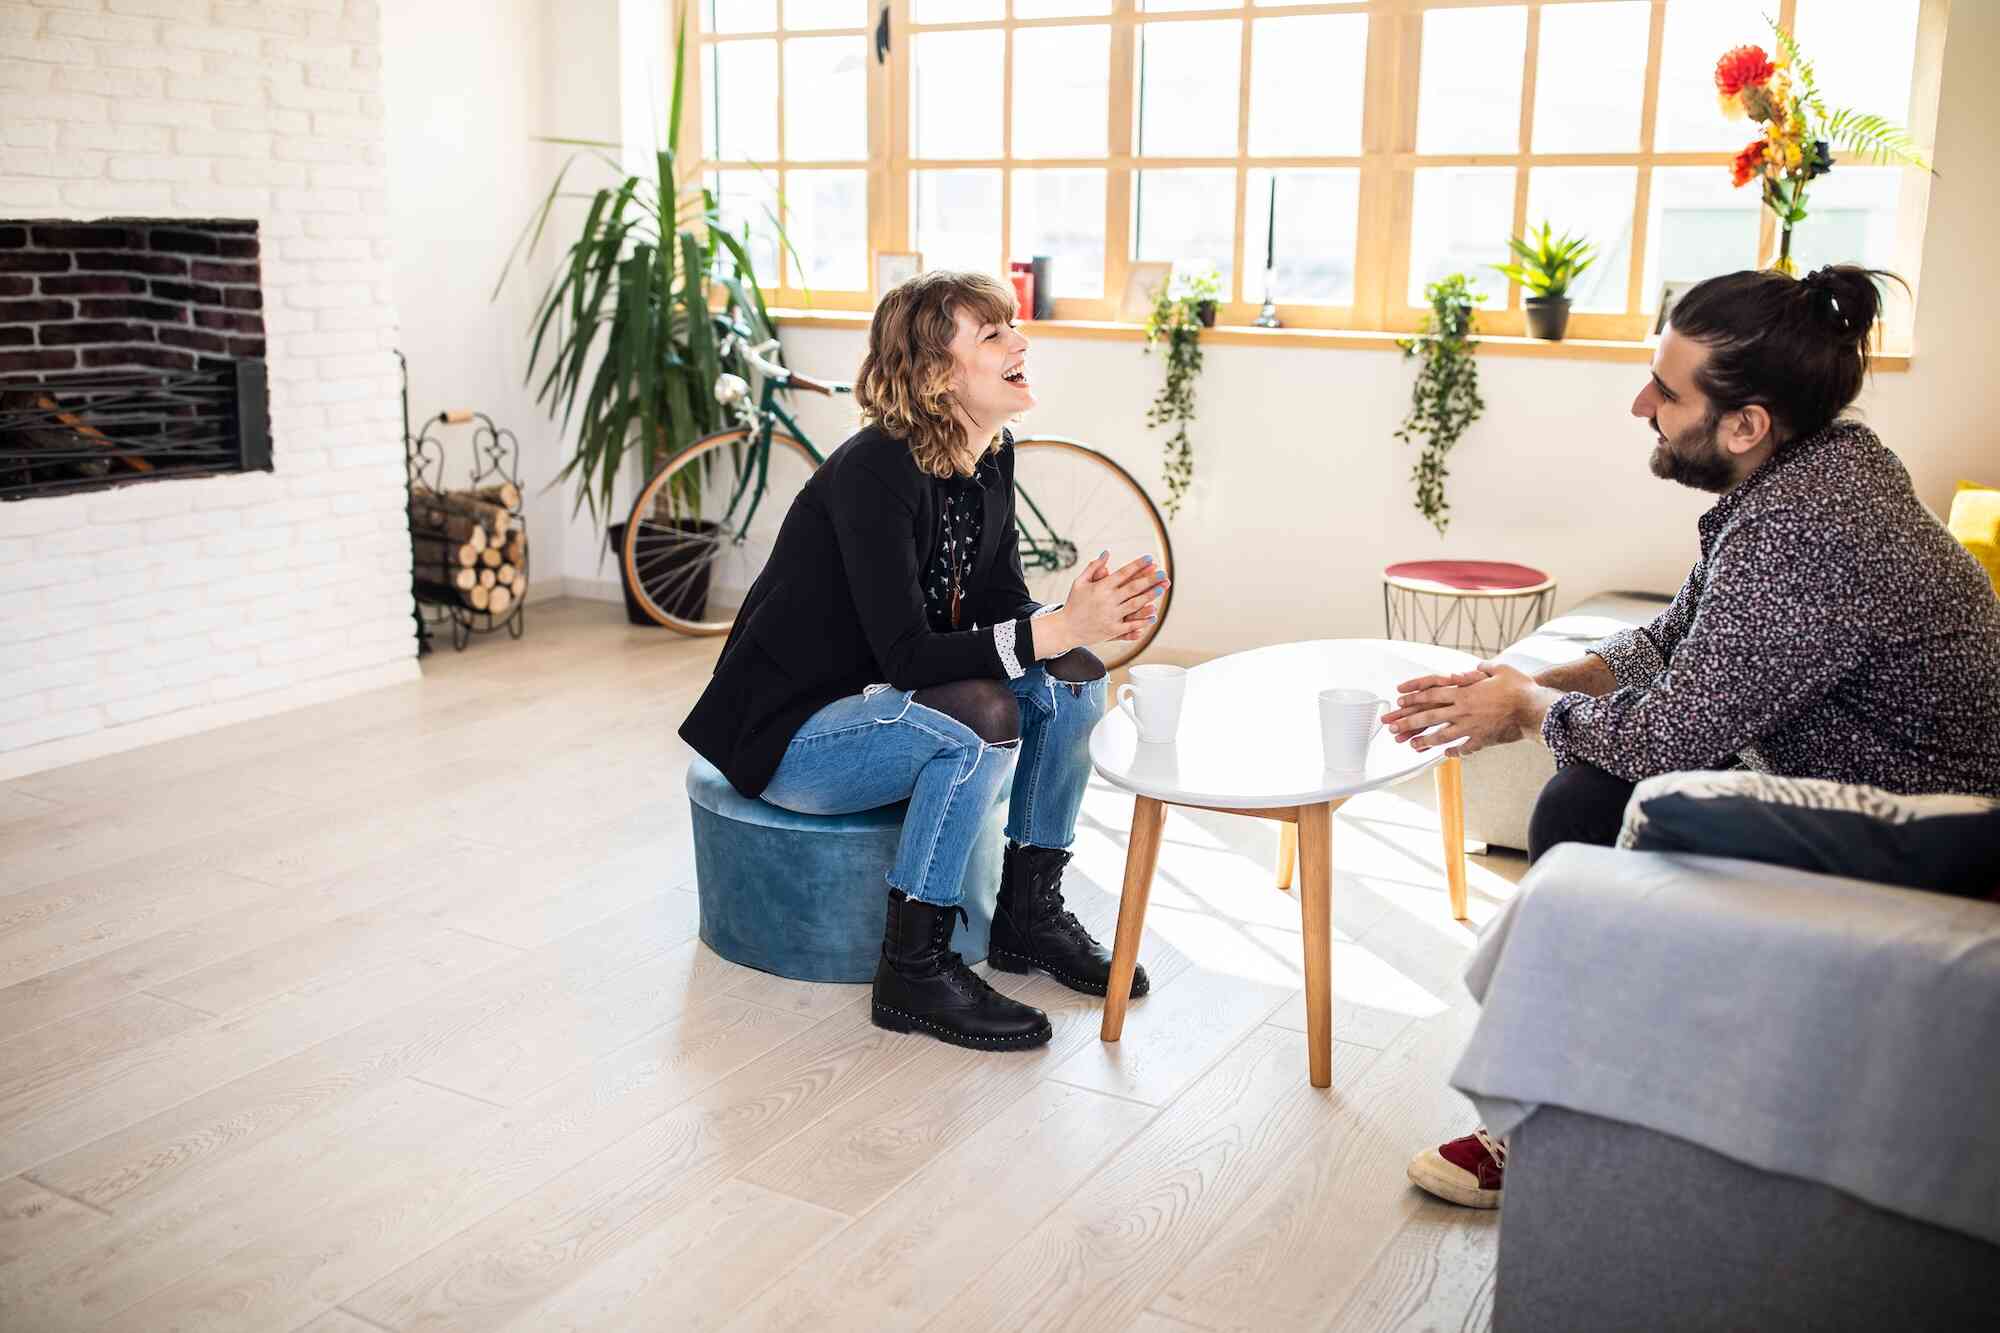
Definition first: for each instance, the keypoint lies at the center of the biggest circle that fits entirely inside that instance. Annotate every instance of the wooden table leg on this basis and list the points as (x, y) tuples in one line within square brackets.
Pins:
[(1451, 814), (1316, 911), (1141, 855), (1288, 851)]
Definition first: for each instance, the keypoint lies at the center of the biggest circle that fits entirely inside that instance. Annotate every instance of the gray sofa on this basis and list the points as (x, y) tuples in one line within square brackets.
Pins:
[(1501, 784), (1739, 1097)]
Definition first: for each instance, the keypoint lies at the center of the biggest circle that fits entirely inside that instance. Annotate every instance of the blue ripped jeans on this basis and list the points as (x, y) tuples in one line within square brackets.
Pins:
[(882, 746)]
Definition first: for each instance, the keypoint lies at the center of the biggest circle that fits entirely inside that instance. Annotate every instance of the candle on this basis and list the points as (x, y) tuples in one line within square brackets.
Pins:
[(1271, 235)]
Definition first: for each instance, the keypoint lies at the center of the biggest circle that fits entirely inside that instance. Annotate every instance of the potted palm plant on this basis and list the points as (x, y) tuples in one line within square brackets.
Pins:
[(1545, 271), (625, 336)]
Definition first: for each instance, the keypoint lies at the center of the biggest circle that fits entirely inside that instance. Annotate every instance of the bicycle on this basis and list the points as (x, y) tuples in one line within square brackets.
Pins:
[(704, 524)]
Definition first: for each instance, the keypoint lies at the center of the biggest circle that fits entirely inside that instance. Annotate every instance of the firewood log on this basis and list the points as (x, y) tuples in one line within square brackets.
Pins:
[(480, 598), (501, 599), (517, 548), (487, 578), (445, 576), (444, 551), (506, 573), (437, 523), (520, 587), (507, 495), (490, 557), (493, 517), (443, 594)]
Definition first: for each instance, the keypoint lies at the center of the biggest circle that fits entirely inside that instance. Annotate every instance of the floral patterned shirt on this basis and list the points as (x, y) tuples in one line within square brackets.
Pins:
[(1831, 629)]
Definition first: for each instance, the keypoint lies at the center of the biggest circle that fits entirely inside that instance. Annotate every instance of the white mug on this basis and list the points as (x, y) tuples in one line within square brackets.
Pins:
[(1157, 691), (1348, 723)]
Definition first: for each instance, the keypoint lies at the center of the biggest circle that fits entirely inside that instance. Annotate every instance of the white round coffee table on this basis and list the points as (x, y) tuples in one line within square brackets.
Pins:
[(1249, 744)]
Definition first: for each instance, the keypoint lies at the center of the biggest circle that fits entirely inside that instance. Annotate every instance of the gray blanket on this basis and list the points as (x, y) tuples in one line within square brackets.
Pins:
[(1828, 1029)]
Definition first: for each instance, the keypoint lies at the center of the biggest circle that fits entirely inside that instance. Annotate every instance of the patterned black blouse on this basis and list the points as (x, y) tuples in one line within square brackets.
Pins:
[(962, 504), (1831, 629)]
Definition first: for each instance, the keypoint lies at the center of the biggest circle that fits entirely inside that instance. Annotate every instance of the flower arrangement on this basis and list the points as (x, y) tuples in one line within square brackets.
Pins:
[(1799, 135)]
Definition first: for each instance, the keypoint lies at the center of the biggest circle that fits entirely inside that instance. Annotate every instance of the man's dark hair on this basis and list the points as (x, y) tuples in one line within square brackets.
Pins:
[(1798, 346)]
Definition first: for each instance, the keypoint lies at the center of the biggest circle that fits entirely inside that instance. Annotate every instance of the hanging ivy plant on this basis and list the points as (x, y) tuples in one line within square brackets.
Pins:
[(1179, 320), (1445, 400)]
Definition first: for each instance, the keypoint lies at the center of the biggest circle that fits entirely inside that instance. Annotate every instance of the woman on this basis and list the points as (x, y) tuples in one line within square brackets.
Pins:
[(890, 650)]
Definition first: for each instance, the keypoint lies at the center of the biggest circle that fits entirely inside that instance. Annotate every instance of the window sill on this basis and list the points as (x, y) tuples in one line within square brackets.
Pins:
[(1570, 349)]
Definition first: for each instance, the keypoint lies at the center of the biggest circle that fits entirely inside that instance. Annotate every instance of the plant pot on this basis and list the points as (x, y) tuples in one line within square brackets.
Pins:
[(1205, 312), (1548, 317), (690, 603)]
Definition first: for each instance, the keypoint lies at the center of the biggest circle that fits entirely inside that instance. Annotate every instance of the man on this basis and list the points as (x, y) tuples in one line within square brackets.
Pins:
[(1830, 629)]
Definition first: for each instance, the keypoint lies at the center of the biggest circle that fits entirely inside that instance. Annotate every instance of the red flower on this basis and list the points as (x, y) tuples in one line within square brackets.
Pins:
[(1748, 163), (1741, 68)]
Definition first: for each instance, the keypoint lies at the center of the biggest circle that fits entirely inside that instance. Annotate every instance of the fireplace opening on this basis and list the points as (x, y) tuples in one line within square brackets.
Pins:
[(131, 349)]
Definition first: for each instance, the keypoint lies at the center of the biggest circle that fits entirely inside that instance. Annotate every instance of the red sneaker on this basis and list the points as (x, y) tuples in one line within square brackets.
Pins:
[(1465, 1171)]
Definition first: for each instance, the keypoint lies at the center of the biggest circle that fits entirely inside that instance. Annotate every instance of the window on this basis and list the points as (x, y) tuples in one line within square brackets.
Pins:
[(781, 104), (1333, 156)]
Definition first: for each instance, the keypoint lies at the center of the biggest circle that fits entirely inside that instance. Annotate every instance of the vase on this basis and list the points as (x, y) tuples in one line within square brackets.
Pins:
[(1548, 317), (1204, 311), (1784, 263)]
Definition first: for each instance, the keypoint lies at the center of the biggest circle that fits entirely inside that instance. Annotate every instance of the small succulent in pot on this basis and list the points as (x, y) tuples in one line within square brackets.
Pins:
[(1547, 265)]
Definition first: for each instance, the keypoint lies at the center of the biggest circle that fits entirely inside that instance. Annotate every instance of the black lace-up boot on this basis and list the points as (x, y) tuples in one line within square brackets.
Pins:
[(1033, 929), (922, 986)]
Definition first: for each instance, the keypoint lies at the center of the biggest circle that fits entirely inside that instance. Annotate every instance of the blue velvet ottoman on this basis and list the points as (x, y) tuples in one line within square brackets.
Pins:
[(805, 896)]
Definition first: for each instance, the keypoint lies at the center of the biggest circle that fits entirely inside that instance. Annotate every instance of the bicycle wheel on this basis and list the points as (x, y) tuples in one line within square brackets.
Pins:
[(704, 525), (1072, 502)]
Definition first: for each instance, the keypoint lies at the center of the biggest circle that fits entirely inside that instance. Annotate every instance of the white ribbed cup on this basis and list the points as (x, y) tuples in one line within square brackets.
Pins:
[(1348, 721)]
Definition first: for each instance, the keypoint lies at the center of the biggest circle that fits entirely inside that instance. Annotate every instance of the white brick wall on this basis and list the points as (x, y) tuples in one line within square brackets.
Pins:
[(166, 607)]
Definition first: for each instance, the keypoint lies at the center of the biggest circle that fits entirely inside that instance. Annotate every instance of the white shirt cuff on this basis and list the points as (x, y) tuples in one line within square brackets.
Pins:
[(1003, 640)]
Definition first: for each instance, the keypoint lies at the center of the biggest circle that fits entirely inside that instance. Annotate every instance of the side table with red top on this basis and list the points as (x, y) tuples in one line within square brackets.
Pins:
[(1476, 606)]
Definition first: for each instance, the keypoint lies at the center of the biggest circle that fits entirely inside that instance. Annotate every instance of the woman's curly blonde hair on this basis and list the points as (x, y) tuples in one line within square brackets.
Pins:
[(904, 384)]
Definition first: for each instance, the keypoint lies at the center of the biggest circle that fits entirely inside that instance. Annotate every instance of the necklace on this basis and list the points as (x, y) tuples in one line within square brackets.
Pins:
[(955, 544), (958, 513)]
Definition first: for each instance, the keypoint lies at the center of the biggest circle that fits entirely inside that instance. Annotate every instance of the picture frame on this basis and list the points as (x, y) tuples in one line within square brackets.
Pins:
[(1140, 281), (895, 267), (1670, 294)]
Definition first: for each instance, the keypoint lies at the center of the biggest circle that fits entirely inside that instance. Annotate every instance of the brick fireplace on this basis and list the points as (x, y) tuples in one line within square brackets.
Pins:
[(130, 349), (188, 189)]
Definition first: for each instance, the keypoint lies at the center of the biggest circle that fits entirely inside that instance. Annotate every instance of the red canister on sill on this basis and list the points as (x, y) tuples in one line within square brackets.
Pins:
[(1023, 275)]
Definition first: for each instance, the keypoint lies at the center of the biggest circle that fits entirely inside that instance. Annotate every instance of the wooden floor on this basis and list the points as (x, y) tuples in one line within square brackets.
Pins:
[(389, 1014)]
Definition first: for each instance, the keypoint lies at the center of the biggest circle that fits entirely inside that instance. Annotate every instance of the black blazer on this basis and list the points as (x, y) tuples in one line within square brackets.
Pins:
[(840, 605)]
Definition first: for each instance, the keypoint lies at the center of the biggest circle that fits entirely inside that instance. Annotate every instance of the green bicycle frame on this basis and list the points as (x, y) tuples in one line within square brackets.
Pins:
[(767, 411)]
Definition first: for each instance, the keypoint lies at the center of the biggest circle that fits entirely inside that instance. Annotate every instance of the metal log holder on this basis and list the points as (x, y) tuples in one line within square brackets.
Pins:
[(496, 457)]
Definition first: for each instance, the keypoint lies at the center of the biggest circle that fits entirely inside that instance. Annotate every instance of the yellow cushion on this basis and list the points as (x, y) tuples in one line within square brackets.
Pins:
[(1975, 521)]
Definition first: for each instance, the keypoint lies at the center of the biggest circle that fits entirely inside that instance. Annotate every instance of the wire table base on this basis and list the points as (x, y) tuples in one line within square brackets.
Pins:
[(1482, 617)]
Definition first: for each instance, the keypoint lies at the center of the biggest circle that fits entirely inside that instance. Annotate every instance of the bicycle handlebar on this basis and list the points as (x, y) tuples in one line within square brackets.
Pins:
[(759, 359)]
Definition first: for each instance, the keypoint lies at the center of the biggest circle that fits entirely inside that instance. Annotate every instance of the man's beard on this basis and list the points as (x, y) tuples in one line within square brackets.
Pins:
[(1693, 458)]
